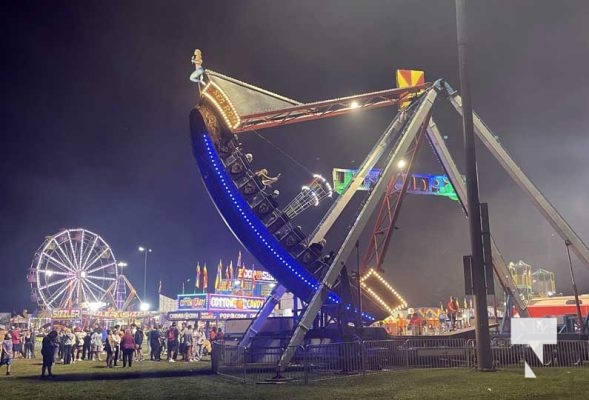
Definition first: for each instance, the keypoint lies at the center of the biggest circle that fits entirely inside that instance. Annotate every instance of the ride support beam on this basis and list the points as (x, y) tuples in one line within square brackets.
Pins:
[(327, 108), (388, 213), (451, 170), (558, 223), (271, 301), (417, 124), (369, 162)]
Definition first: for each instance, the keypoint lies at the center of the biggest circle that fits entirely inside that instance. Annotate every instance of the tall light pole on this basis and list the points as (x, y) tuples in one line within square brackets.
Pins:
[(483, 341), (144, 250)]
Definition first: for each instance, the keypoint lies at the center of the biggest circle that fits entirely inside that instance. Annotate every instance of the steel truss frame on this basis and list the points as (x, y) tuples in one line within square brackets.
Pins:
[(419, 121)]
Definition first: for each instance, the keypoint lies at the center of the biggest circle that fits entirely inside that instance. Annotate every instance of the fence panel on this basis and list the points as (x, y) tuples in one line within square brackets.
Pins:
[(437, 353), (258, 364)]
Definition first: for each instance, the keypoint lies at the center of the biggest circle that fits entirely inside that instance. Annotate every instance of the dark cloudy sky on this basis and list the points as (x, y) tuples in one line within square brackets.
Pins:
[(94, 119)]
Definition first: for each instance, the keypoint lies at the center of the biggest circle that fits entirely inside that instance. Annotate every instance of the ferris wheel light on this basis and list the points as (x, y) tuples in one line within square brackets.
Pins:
[(144, 307), (83, 274), (49, 272), (402, 164), (354, 104), (122, 264)]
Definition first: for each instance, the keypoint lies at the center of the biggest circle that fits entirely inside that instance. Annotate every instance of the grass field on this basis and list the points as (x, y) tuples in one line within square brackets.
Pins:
[(162, 380)]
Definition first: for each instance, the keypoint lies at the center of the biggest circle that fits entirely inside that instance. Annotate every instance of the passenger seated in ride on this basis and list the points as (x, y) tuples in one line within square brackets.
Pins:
[(266, 179), (249, 157), (317, 247), (328, 258), (273, 196)]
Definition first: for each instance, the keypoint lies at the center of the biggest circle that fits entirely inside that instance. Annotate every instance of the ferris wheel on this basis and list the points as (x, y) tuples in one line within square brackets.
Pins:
[(72, 269)]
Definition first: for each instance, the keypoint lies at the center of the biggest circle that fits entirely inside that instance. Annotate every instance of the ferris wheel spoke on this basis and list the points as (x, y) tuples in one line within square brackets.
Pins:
[(57, 262), (58, 293), (49, 285), (86, 293), (97, 258), (63, 252), (101, 278), (69, 237), (91, 271), (61, 273), (58, 255), (96, 286), (66, 257), (84, 284), (81, 248), (90, 250)]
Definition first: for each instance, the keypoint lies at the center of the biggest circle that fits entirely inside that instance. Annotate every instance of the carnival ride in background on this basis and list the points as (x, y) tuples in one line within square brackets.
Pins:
[(227, 108), (76, 269)]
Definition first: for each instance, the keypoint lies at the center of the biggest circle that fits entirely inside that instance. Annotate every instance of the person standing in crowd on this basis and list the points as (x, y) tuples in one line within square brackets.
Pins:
[(188, 344), (220, 335), (415, 323), (16, 345), (172, 336), (68, 342), (112, 341), (6, 353), (138, 336), (453, 308), (154, 344), (96, 344), (80, 335), (29, 350), (213, 334), (128, 348), (115, 344), (87, 345), (61, 343), (198, 341), (49, 346), (181, 344)]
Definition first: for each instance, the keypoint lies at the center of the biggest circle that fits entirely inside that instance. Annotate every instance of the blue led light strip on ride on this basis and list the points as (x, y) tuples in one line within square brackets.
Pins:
[(252, 233)]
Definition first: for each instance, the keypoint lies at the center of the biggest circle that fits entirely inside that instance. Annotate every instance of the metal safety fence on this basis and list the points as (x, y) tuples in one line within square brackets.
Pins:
[(565, 353), (259, 364)]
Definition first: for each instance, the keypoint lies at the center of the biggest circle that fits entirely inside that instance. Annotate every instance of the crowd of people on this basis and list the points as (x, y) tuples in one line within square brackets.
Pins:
[(118, 344)]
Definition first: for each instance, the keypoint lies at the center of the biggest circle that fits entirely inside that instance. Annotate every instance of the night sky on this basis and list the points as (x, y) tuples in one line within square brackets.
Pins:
[(96, 96)]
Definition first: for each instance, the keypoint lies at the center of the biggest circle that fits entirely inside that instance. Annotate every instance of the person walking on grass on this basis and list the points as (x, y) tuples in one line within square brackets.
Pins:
[(48, 348), (128, 348), (6, 353)]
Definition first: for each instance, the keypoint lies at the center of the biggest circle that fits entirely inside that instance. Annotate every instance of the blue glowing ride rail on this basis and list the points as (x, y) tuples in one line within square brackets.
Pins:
[(244, 223)]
